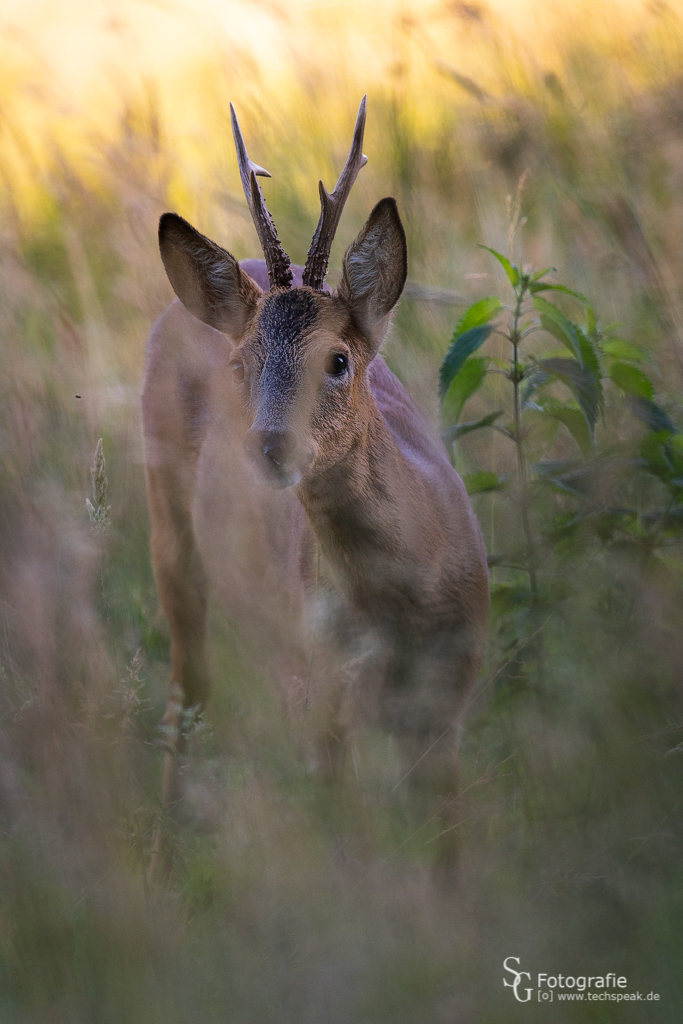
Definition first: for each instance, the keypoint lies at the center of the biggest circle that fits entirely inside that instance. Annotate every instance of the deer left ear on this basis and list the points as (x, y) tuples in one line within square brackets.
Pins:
[(375, 269), (206, 279)]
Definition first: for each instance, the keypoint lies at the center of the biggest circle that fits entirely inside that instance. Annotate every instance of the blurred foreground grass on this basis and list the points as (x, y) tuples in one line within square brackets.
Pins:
[(571, 808)]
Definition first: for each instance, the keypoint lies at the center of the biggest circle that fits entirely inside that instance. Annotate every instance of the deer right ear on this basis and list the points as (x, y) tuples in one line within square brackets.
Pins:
[(207, 279), (375, 269)]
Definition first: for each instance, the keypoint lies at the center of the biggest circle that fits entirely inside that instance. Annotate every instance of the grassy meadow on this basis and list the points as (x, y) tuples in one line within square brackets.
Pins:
[(553, 135)]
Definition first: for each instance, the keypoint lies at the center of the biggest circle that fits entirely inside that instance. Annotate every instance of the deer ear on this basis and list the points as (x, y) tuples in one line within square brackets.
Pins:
[(207, 279), (375, 269)]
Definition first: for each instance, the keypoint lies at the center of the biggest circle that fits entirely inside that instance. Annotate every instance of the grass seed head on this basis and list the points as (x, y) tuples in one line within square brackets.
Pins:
[(98, 510)]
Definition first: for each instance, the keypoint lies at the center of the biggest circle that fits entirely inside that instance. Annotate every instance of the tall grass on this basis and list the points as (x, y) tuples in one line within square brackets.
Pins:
[(282, 906)]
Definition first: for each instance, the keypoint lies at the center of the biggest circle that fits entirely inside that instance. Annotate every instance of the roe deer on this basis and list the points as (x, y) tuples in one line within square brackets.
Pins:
[(289, 471)]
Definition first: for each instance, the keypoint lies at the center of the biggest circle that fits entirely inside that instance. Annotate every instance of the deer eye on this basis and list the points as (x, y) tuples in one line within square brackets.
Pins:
[(237, 368), (337, 364)]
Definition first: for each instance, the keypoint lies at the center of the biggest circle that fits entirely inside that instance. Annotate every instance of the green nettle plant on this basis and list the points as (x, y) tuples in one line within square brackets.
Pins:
[(606, 488)]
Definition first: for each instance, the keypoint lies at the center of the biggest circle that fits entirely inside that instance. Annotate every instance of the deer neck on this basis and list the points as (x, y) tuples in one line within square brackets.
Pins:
[(353, 506)]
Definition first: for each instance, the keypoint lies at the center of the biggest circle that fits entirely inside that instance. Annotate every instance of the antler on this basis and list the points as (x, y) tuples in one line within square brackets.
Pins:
[(331, 207), (277, 260)]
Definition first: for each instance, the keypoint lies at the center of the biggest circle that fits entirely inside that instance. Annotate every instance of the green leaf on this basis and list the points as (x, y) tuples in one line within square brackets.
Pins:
[(478, 314), (507, 597), (542, 273), (506, 561), (544, 286), (589, 356), (658, 455), (665, 519), (581, 382), (632, 380), (624, 350), (651, 414), (462, 346), (472, 331), (576, 479), (511, 269), (532, 382), (463, 386), (558, 468), (556, 323), (575, 338), (478, 483), (574, 421), (453, 433)]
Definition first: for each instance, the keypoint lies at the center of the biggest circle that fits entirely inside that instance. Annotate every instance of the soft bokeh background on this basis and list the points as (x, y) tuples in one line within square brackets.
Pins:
[(111, 113)]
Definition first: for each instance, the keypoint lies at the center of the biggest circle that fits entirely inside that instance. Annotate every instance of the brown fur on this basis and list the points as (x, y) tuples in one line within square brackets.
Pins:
[(366, 546)]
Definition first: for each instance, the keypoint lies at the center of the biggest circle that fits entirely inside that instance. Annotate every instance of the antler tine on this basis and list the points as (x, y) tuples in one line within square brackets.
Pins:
[(277, 260), (331, 207)]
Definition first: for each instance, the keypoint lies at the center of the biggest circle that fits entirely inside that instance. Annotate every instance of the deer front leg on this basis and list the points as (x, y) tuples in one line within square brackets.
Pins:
[(183, 591), (430, 772), (426, 714)]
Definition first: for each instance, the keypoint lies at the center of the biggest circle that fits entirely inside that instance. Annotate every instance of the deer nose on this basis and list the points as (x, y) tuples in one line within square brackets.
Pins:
[(272, 446)]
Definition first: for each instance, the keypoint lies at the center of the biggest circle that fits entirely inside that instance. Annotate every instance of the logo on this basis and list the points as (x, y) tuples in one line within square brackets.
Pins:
[(571, 988), (514, 985)]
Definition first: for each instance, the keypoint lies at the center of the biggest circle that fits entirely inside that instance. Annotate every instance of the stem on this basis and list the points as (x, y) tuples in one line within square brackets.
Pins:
[(516, 338), (106, 608)]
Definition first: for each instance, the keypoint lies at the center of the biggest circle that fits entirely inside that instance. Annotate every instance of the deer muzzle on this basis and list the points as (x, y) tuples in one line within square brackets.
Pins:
[(273, 454)]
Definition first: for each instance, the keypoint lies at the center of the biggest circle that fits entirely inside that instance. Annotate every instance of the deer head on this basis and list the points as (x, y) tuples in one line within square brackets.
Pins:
[(300, 354)]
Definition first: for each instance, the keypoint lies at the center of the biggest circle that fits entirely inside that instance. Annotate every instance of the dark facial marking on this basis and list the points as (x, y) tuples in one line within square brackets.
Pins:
[(284, 317)]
